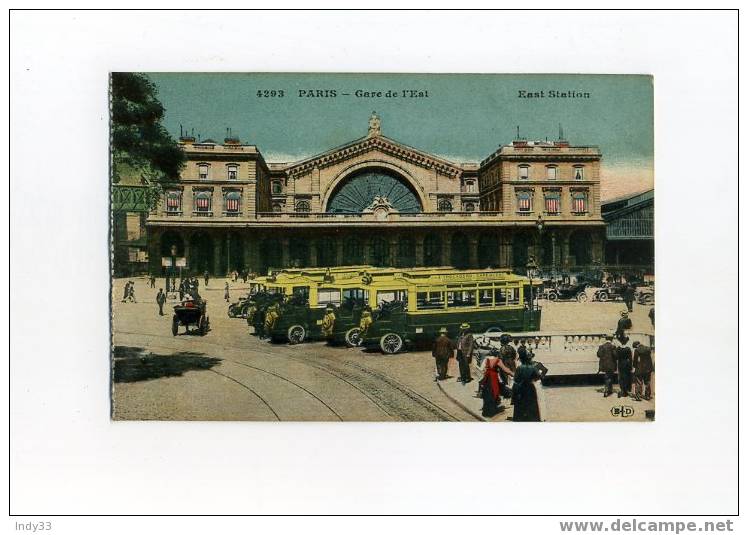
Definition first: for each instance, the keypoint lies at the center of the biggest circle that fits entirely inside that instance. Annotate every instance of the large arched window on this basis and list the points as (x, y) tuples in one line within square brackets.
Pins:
[(359, 192), (232, 203), (524, 201)]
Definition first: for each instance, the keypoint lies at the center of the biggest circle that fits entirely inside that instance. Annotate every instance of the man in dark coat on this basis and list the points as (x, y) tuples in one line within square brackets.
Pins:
[(624, 358), (442, 352), (126, 292), (206, 276), (606, 353), (628, 296), (652, 316), (624, 324), (465, 347), (643, 368), (161, 299)]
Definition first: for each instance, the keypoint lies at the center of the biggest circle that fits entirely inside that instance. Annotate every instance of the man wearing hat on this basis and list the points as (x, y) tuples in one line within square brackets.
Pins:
[(465, 347), (508, 357), (442, 352), (624, 357), (643, 368), (606, 353), (624, 324), (328, 321)]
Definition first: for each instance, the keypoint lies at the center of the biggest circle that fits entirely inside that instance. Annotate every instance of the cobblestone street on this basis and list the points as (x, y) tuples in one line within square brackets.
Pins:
[(230, 375)]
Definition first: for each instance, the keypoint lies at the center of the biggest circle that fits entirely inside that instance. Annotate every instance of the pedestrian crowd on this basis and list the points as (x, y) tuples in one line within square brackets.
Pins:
[(503, 378)]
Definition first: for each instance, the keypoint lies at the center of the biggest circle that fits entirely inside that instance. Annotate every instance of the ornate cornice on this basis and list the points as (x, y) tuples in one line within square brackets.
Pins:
[(381, 143)]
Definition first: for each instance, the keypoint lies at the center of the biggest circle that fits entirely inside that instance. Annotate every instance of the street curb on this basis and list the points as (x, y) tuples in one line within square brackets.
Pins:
[(461, 405)]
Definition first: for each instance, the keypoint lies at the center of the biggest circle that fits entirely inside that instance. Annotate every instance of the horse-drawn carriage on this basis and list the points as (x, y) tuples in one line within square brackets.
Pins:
[(191, 312)]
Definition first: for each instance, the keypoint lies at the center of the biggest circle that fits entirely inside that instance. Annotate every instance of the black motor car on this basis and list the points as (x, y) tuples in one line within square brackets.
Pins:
[(567, 292)]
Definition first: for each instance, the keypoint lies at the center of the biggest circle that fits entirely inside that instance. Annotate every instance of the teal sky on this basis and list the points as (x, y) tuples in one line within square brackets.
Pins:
[(465, 117)]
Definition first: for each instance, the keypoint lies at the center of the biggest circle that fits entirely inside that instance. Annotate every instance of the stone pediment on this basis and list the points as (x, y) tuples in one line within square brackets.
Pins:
[(375, 143)]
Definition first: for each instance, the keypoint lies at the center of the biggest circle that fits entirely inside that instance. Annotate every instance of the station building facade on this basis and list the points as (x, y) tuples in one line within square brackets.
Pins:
[(377, 201)]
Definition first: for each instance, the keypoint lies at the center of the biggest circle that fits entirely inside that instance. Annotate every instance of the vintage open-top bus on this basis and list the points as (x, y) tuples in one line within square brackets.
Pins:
[(412, 306), (308, 293)]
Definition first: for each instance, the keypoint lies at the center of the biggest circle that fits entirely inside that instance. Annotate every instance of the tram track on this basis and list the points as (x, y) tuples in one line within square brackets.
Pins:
[(395, 400)]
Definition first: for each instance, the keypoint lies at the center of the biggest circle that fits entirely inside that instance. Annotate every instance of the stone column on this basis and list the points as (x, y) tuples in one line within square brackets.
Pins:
[(365, 247), (312, 253), (217, 256), (393, 251), (565, 249), (597, 248), (419, 249), (285, 251), (447, 249), (339, 250), (154, 251), (186, 239), (473, 249)]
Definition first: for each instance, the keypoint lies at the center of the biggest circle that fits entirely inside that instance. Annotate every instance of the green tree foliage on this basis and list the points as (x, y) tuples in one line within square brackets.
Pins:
[(141, 146)]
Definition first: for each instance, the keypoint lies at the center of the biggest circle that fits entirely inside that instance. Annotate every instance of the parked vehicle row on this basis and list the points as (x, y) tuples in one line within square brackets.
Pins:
[(388, 309)]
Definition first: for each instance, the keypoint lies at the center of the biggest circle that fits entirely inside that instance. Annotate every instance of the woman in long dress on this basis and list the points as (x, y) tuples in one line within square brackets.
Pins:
[(524, 395), (491, 386)]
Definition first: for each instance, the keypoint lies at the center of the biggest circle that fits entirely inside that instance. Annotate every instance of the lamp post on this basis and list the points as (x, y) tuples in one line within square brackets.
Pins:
[(531, 267), (173, 251), (539, 224)]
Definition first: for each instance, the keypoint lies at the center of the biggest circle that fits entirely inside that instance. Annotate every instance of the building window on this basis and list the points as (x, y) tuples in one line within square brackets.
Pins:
[(579, 203), (203, 203), (277, 187), (233, 171), (303, 206), (202, 171), (468, 207), (578, 172), (524, 202), (277, 208), (174, 202), (553, 203), (232, 203), (444, 205), (550, 172), (523, 171), (470, 186)]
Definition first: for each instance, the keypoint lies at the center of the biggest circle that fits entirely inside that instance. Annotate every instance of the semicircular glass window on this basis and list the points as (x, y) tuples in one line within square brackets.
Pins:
[(360, 192)]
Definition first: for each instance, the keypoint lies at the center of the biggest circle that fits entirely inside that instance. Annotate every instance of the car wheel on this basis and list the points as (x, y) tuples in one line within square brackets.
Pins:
[(296, 334), (582, 297), (602, 296), (553, 296), (390, 343), (174, 326), (353, 337)]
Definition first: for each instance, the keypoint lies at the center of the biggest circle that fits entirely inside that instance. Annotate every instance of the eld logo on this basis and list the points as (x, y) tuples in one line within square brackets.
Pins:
[(624, 411)]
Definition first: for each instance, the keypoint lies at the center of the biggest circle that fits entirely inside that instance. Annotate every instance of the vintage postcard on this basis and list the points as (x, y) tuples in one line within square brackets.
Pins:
[(382, 247)]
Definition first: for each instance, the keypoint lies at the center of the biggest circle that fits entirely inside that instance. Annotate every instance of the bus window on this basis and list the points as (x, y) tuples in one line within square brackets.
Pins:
[(485, 299), (429, 300), (327, 296), (513, 296), (461, 298), (354, 294), (276, 290), (500, 296), (387, 296), (301, 291)]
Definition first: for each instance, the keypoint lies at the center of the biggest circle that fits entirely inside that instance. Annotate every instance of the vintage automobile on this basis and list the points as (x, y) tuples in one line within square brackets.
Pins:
[(645, 295), (422, 303), (191, 312), (239, 308), (610, 292), (567, 292)]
